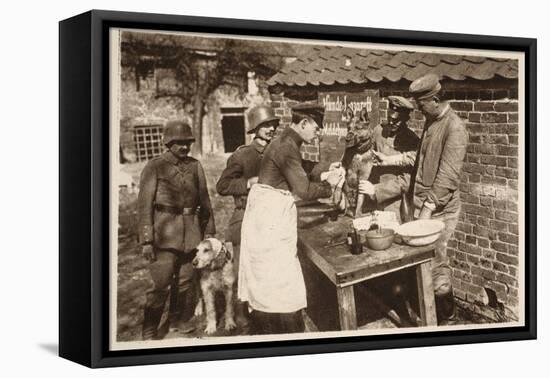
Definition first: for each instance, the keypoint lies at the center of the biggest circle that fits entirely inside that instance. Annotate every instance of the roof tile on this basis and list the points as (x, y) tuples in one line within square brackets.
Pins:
[(336, 64)]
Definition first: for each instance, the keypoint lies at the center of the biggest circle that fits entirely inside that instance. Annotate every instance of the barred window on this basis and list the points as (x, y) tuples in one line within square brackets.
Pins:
[(148, 140)]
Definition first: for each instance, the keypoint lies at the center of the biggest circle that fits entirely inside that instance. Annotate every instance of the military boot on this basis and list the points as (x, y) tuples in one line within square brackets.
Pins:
[(151, 320), (180, 316), (445, 308)]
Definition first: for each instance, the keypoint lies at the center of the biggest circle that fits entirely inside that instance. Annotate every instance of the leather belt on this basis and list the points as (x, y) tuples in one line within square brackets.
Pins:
[(176, 210)]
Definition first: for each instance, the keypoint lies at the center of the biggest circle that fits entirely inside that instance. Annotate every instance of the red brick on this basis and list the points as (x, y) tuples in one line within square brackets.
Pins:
[(498, 246), (506, 106), (481, 231), (459, 236), (471, 239), (513, 140), (502, 277), (474, 168), (493, 180), (461, 265), (487, 149), (462, 106), (507, 150), (485, 273), (467, 228), (507, 259), (506, 216), (512, 128), (487, 264), (469, 198), (513, 117), (472, 259), (473, 250), (512, 162), (460, 256), (499, 204), (486, 94), (484, 243), (475, 138), (484, 201), (475, 178), (513, 250), (474, 117), (488, 253), (484, 106), (513, 228), (500, 267), (508, 238), (478, 280), (494, 160), (477, 210), (494, 117), (482, 221), (463, 276), (507, 172)]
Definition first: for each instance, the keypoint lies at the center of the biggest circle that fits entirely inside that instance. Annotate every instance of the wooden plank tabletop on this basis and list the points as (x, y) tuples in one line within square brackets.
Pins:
[(343, 268)]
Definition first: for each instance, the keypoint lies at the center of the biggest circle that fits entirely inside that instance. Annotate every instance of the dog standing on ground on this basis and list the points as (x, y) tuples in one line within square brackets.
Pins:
[(215, 265)]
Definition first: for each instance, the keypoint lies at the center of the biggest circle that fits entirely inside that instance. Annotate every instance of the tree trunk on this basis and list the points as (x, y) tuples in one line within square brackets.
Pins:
[(198, 106)]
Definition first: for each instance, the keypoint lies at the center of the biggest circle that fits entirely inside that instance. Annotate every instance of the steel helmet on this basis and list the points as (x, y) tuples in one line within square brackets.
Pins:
[(177, 130), (258, 115)]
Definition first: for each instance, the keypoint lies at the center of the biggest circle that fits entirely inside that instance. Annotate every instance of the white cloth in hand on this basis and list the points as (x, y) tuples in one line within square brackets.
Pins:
[(366, 187)]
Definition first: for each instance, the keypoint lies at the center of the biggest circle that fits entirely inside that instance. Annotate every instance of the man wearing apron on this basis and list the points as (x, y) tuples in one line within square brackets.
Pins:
[(395, 147), (242, 170), (270, 275)]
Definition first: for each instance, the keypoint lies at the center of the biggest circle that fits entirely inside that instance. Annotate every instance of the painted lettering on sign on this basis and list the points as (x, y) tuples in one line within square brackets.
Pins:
[(341, 108)]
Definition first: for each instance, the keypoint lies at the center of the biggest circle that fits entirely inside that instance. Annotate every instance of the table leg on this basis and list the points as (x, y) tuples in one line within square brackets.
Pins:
[(426, 295), (346, 308)]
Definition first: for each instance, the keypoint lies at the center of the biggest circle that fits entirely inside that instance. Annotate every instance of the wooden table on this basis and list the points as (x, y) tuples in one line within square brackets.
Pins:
[(345, 270)]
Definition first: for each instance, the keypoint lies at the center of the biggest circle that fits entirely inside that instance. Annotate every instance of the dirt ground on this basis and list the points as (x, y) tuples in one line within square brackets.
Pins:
[(133, 279)]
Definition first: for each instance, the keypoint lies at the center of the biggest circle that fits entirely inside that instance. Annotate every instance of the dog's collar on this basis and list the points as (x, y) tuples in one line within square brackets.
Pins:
[(221, 258)]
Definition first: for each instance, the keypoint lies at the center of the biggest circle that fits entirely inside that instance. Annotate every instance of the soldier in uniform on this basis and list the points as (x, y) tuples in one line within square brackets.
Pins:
[(270, 275), (174, 216), (436, 195), (395, 146), (241, 172)]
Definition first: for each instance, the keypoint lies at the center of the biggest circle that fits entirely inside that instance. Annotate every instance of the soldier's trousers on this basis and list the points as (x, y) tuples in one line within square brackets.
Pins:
[(171, 271), (441, 269)]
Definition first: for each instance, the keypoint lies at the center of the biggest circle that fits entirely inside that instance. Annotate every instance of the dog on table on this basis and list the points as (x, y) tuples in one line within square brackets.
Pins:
[(215, 265)]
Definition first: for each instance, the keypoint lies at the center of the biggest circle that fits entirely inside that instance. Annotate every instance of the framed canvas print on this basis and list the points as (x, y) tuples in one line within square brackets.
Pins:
[(234, 188)]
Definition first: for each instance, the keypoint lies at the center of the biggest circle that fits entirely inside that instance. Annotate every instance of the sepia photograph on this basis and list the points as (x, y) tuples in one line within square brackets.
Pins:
[(266, 189)]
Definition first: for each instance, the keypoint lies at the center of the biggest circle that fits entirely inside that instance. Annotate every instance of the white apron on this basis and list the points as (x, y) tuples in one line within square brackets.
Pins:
[(270, 275)]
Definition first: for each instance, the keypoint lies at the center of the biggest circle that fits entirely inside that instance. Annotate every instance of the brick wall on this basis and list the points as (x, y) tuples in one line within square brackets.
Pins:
[(484, 249)]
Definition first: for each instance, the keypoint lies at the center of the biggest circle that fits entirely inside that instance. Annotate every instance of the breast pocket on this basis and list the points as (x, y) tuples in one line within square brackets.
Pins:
[(168, 190)]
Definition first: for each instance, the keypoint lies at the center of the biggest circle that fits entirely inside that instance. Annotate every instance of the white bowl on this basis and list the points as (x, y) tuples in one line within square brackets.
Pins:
[(420, 232)]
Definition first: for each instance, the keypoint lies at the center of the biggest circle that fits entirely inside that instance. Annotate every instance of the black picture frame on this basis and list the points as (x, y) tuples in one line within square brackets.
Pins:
[(84, 187)]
